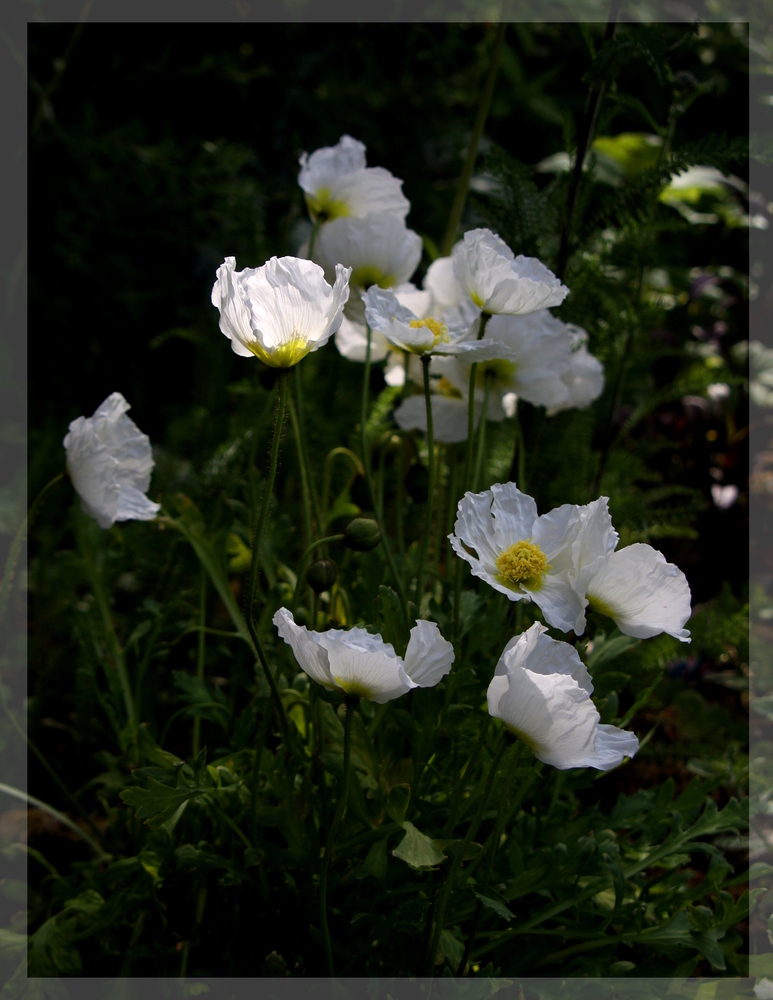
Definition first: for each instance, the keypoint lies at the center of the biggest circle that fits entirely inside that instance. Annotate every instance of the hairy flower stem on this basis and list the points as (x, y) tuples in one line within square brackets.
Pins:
[(256, 543), (499, 825), (307, 514), (304, 448), (369, 481), (200, 656), (351, 704), (461, 850), (425, 360), (457, 208)]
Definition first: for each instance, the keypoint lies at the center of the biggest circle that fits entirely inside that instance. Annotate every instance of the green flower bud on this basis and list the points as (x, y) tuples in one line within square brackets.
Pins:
[(362, 534), (321, 575)]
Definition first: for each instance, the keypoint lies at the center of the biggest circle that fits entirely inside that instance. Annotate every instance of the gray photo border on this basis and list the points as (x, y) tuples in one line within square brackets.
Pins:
[(15, 16)]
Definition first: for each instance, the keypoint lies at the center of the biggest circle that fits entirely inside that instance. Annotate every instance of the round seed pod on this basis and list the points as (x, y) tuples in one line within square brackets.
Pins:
[(417, 483), (321, 575), (362, 534)]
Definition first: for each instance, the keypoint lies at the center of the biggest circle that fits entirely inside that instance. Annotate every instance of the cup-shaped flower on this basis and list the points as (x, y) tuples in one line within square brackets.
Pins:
[(541, 690), (337, 182), (359, 664), (498, 282), (520, 554), (417, 332), (279, 312), (379, 249), (110, 460)]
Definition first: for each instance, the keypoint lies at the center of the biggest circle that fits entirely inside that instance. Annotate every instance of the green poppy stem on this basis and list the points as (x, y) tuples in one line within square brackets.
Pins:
[(351, 703), (481, 436), (200, 656), (425, 360)]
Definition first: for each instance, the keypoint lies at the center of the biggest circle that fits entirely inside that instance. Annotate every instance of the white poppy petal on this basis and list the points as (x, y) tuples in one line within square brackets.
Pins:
[(429, 656), (379, 249), (311, 657), (364, 665), (641, 592)]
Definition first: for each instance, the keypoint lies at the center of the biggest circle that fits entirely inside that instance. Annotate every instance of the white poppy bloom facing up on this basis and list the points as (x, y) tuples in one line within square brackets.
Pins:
[(379, 249), (279, 312), (110, 460), (541, 691), (520, 554), (498, 282), (416, 331), (337, 183), (360, 664)]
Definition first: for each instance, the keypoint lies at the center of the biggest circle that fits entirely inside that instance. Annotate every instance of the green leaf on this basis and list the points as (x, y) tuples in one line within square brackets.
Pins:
[(397, 802), (610, 649), (88, 902), (158, 802), (51, 951), (418, 850), (451, 948), (496, 906), (471, 606), (11, 944), (393, 628), (375, 863)]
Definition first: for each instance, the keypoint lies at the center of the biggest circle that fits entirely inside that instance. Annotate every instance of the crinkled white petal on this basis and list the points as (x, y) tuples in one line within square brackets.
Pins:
[(325, 165), (584, 381), (558, 601), (594, 539), (281, 311), (386, 311), (379, 249), (110, 460), (414, 299), (641, 592), (364, 665), (542, 694), (499, 283), (312, 658), (442, 285), (351, 339), (370, 191), (429, 656)]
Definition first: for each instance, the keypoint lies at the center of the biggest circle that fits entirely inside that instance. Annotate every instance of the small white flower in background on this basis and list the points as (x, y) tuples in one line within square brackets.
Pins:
[(585, 379), (279, 312), (363, 665), (337, 183), (565, 561), (520, 554), (718, 391), (110, 460), (541, 691), (724, 496), (379, 249), (498, 282)]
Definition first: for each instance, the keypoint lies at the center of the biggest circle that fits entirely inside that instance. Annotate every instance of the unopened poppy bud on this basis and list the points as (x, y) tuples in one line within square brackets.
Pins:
[(417, 483), (362, 534), (321, 575)]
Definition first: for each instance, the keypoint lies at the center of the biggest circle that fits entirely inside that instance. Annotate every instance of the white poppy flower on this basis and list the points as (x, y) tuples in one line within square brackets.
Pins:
[(520, 554), (498, 282), (110, 460), (585, 378), (336, 182), (279, 312), (440, 281), (358, 663), (417, 334), (379, 249), (541, 691)]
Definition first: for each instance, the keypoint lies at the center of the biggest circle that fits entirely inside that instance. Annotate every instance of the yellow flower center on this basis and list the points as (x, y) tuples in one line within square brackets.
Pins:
[(321, 205), (447, 388), (367, 275), (284, 356), (522, 562), (438, 330), (479, 302)]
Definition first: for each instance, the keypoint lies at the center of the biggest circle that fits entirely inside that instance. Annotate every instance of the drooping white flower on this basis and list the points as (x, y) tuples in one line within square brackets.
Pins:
[(379, 249), (360, 664), (110, 460), (337, 183), (416, 331), (498, 282), (541, 691), (585, 378), (279, 312), (520, 554)]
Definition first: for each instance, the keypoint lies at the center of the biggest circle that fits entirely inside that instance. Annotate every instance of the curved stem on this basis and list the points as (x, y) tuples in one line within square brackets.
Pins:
[(425, 360), (307, 515), (456, 864), (369, 481), (481, 114), (17, 793), (303, 561), (326, 858), (256, 543)]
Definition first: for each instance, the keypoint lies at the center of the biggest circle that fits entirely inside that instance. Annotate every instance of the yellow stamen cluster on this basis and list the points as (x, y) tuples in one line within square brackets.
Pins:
[(285, 355), (324, 207), (438, 330), (521, 562)]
